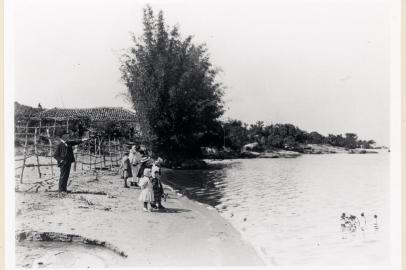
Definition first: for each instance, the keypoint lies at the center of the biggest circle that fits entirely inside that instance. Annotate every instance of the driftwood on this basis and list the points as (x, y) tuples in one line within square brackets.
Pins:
[(62, 237), (50, 152), (36, 153), (25, 153)]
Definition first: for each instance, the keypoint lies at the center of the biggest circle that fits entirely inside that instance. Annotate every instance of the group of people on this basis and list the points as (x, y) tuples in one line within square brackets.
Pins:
[(144, 172), (136, 165)]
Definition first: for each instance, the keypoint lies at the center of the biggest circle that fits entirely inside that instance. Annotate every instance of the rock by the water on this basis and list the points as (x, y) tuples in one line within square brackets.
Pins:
[(249, 154), (250, 146)]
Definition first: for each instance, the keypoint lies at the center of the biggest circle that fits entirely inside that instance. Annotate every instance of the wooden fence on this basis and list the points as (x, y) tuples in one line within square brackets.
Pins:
[(39, 143)]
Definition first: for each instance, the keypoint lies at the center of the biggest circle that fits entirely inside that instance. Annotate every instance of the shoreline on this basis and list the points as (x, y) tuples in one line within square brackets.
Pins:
[(311, 149), (117, 219), (185, 194)]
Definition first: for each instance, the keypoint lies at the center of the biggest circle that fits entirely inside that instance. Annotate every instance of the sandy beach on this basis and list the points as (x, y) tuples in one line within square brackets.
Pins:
[(103, 224)]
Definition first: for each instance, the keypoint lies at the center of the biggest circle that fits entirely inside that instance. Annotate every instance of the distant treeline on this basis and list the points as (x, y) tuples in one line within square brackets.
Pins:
[(284, 136)]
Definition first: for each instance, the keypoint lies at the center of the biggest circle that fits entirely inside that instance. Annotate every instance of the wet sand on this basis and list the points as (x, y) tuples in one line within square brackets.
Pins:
[(185, 234)]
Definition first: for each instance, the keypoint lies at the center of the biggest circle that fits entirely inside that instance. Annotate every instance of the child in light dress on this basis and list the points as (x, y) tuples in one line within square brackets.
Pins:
[(147, 192)]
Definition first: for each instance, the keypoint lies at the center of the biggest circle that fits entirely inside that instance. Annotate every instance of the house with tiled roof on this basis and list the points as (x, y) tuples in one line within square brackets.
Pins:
[(76, 119), (97, 114)]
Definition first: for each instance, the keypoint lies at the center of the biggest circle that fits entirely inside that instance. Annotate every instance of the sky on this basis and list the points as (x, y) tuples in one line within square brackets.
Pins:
[(322, 65)]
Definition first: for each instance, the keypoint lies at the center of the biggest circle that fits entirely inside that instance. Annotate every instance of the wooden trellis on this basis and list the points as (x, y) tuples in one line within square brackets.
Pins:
[(95, 150)]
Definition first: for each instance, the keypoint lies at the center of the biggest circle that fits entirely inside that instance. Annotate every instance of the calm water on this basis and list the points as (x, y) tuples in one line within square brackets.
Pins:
[(290, 209)]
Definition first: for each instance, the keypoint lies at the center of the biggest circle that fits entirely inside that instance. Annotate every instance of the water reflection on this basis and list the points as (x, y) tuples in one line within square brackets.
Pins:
[(206, 186), (290, 208)]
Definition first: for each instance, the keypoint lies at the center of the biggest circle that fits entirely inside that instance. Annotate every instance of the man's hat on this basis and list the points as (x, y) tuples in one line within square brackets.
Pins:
[(65, 136)]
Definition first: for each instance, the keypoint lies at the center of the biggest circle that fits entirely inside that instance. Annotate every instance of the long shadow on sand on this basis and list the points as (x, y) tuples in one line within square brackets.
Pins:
[(78, 192), (172, 211)]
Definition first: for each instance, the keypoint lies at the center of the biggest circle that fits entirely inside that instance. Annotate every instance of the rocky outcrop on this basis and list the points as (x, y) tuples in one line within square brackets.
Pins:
[(361, 151), (322, 149), (249, 154), (329, 149), (281, 153)]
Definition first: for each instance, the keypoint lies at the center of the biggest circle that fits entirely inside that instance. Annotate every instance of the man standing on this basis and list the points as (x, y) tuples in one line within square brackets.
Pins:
[(64, 156)]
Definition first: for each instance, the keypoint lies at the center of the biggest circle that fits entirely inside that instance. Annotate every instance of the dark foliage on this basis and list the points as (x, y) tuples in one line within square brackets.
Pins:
[(172, 85), (284, 136)]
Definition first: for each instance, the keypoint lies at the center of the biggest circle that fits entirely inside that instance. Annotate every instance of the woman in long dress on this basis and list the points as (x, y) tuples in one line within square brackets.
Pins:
[(135, 158)]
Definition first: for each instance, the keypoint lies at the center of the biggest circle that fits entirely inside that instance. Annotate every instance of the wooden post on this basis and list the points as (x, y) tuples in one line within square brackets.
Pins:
[(120, 147), (100, 145), (117, 154), (75, 153), (95, 153), (113, 149), (25, 153), (90, 156), (53, 132), (39, 129), (100, 153), (111, 160), (50, 151), (95, 157), (35, 151)]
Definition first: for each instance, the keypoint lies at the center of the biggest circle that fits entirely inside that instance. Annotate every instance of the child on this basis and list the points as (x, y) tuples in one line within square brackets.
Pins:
[(125, 167), (145, 162), (157, 186), (147, 193)]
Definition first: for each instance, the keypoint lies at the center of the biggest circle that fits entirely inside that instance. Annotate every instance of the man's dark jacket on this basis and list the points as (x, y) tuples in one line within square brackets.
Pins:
[(64, 151)]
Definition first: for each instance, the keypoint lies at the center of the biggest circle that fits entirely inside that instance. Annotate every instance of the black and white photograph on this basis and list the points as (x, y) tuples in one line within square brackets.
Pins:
[(175, 133)]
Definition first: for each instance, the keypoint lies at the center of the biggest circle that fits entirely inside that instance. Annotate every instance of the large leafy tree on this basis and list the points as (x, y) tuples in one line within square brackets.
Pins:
[(172, 85)]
